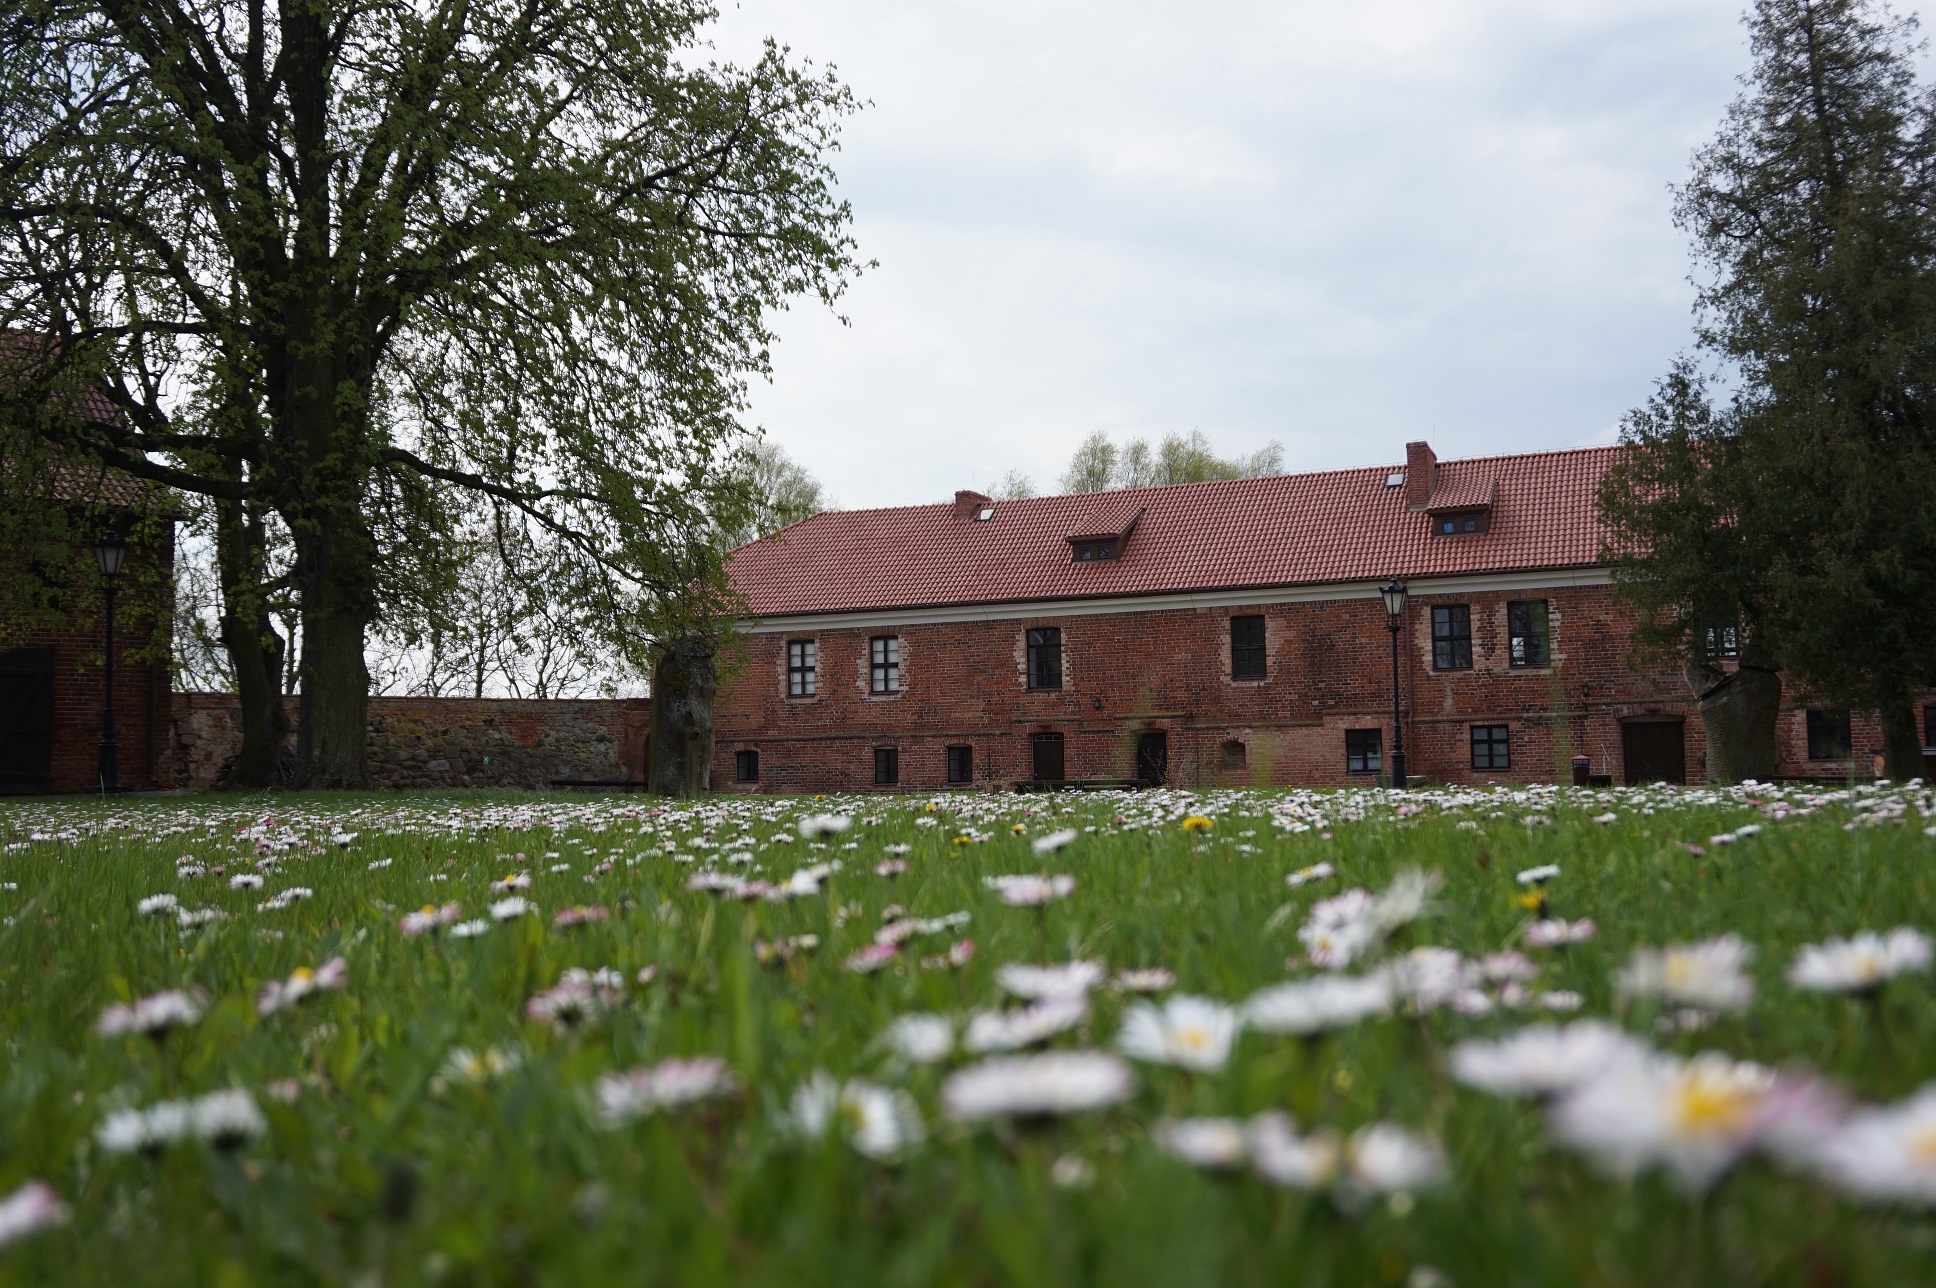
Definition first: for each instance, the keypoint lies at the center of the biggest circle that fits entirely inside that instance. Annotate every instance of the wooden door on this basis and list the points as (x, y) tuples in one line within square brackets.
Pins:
[(26, 720), (1153, 757), (1048, 757), (1654, 751)]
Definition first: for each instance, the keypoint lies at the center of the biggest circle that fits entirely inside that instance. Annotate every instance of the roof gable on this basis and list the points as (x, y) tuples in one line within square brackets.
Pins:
[(1344, 525)]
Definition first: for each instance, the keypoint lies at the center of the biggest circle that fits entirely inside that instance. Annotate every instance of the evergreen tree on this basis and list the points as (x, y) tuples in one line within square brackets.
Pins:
[(1813, 214)]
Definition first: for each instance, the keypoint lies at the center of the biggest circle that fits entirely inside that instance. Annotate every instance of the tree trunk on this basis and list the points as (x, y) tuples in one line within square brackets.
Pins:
[(1738, 711), (681, 757), (333, 728), (255, 650), (1902, 744)]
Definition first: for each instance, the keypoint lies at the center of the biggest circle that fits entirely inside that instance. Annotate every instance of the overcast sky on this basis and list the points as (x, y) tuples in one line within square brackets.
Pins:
[(1339, 226)]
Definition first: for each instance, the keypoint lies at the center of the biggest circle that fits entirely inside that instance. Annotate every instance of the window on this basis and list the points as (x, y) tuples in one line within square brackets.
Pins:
[(1089, 551), (1452, 638), (1048, 756), (884, 663), (1929, 726), (961, 764), (803, 663), (747, 763), (1526, 631), (1247, 648), (1491, 747), (1045, 658), (1364, 751), (1457, 525), (1723, 641), (1235, 755), (1828, 735), (887, 766)]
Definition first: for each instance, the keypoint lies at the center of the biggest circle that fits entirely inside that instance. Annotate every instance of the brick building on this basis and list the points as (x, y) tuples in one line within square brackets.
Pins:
[(1209, 634), (52, 683)]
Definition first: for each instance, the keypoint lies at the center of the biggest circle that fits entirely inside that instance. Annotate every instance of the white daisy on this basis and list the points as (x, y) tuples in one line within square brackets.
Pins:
[(1862, 963), (670, 1084), (1038, 1022), (151, 1016), (156, 904), (878, 1122), (1282, 1157), (1189, 1032), (1407, 898), (1304, 876), (1386, 1159), (511, 909), (1149, 979), (1054, 841), (1340, 928), (815, 826), (1887, 1153), (1033, 1086), (1310, 1006), (1540, 875), (469, 929), (245, 881), (1064, 980), (1543, 1060), (921, 1038), (228, 1119), (277, 995), (34, 1206), (1028, 891), (1707, 974), (1697, 1117), (1558, 931), (1210, 1143)]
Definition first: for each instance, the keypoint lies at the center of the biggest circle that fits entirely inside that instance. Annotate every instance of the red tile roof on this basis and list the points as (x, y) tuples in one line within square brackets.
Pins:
[(1293, 529)]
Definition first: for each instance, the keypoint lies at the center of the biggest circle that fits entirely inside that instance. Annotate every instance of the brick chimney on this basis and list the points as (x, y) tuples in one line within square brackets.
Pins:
[(967, 503), (1421, 475)]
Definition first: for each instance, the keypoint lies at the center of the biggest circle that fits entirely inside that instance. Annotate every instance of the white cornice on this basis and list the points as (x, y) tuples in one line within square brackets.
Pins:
[(1246, 597)]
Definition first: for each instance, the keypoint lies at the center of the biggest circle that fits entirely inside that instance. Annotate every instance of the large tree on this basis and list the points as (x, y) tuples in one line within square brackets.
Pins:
[(1813, 215), (330, 258)]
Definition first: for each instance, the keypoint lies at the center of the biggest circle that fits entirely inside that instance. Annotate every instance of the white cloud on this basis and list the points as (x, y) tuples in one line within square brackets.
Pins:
[(1339, 226)]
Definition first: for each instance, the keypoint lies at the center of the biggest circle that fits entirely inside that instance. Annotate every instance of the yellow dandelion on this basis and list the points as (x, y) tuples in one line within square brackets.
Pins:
[(964, 840), (1017, 828), (1197, 823)]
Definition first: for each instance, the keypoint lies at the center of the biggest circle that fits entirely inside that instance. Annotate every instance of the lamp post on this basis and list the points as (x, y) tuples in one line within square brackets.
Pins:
[(109, 552), (1393, 593)]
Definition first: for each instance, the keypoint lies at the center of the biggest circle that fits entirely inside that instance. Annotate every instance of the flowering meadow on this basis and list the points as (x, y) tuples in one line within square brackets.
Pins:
[(1501, 1037)]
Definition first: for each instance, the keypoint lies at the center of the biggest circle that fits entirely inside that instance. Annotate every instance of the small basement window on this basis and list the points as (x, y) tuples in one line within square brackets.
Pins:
[(887, 766), (1364, 751), (1235, 755), (1092, 551), (961, 764), (747, 763)]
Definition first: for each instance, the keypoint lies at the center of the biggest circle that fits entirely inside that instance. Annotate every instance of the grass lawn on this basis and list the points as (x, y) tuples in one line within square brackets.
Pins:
[(439, 1101)]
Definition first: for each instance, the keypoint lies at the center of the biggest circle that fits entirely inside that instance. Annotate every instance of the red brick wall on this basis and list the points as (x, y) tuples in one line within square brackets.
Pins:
[(1329, 670), (141, 687)]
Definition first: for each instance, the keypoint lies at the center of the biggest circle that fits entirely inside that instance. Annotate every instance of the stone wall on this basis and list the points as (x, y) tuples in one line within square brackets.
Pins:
[(447, 742)]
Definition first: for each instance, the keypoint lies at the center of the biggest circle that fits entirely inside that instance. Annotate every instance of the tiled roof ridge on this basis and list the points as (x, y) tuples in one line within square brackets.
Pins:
[(1390, 468)]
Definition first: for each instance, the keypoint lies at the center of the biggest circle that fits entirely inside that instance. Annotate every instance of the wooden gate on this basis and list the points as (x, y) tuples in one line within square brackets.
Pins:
[(26, 720), (1654, 751)]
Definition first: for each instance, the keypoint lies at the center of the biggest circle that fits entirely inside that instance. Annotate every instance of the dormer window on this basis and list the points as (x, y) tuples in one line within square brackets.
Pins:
[(1458, 525), (1104, 531)]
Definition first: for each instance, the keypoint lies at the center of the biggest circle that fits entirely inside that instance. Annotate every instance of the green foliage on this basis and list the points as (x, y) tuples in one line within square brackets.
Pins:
[(382, 1166), (778, 491), (1100, 466), (1806, 509), (338, 260)]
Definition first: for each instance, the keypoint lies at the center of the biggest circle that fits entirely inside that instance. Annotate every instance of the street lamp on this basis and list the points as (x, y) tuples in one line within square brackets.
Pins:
[(109, 552), (1393, 593)]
